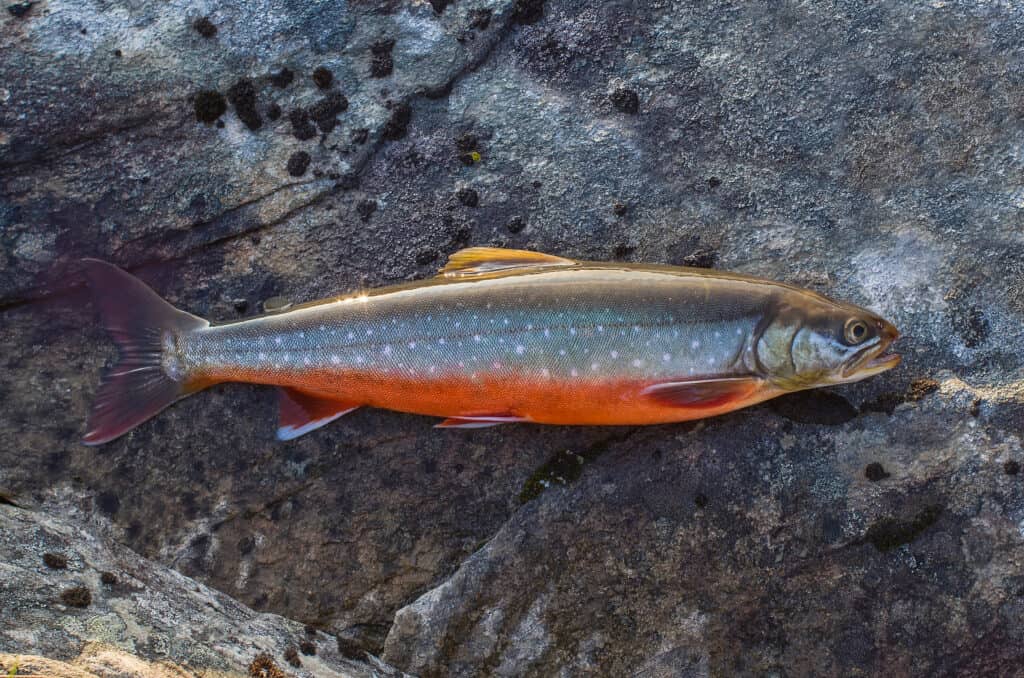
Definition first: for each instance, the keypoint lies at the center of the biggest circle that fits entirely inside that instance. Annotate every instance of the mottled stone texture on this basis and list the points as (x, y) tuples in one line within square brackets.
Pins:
[(872, 151)]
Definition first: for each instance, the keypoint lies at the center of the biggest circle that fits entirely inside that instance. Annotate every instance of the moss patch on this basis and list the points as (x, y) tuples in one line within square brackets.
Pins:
[(78, 596), (55, 561), (564, 468)]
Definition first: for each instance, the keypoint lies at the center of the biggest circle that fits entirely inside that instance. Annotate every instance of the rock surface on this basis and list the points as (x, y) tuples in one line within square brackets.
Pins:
[(74, 604), (871, 152)]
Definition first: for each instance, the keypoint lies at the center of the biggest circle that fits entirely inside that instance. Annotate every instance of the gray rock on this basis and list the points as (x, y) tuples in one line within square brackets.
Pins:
[(112, 612), (869, 152)]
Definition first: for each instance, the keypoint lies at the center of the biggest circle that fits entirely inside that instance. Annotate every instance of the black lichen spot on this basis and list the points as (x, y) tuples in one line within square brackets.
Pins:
[(302, 127), (55, 561), (108, 503), (398, 124), (204, 27), (619, 209), (875, 472), (209, 105), (326, 111), (77, 596), (622, 250), (20, 9), (307, 648), (516, 225), (323, 77), (311, 631), (282, 78), (702, 257), (625, 100), (468, 197), (381, 62), (348, 181), (273, 111), (1011, 468), (890, 533), (527, 11), (118, 53), (467, 142), (359, 136), (439, 5), (242, 96), (479, 19), (700, 500), (246, 545), (714, 182), (814, 407), (298, 163), (108, 578), (350, 649), (365, 208), (291, 655), (887, 402), (263, 666), (427, 256), (972, 326)]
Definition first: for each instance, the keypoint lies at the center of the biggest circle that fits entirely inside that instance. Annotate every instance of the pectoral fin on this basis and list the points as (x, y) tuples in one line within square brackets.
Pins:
[(301, 412), (703, 393), (482, 260)]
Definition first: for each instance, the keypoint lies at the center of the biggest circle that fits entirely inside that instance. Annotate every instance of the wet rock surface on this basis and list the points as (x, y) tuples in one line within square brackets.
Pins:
[(871, 153)]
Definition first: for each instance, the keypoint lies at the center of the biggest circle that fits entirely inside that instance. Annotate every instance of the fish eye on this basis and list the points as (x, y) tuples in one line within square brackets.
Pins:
[(855, 331)]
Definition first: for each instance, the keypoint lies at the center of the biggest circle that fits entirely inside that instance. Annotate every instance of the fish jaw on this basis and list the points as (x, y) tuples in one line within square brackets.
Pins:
[(874, 359)]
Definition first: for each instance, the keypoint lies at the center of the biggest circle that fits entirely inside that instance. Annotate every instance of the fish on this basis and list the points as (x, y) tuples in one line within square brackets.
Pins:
[(498, 336)]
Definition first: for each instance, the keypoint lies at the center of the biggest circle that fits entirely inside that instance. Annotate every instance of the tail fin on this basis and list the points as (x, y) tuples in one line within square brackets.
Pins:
[(142, 382)]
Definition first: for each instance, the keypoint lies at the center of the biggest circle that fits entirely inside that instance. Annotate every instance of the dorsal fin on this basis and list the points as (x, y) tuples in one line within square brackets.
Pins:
[(483, 260)]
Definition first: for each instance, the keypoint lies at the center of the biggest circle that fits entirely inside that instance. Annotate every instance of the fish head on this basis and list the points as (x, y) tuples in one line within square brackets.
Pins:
[(812, 341)]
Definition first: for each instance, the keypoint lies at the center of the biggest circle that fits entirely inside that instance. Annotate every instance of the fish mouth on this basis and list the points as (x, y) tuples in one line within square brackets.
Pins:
[(875, 358)]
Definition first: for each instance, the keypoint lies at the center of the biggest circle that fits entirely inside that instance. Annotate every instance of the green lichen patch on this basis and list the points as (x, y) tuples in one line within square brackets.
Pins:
[(564, 468)]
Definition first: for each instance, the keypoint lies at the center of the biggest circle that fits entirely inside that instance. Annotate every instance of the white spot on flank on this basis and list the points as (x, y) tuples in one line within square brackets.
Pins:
[(386, 350), (574, 373), (547, 332), (335, 360), (545, 372), (739, 331), (614, 354), (561, 351), (369, 332), (286, 357), (277, 340), (306, 361), (505, 321), (351, 335), (711, 361), (718, 335), (637, 362), (263, 356), (572, 331), (520, 349), (695, 344), (440, 342), (600, 328), (529, 327), (594, 367), (412, 344), (496, 365), (433, 368), (477, 338), (667, 357), (360, 360)]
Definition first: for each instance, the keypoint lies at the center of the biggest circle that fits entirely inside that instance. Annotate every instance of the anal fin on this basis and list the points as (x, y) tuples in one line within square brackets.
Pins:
[(703, 393), (301, 412), (482, 421)]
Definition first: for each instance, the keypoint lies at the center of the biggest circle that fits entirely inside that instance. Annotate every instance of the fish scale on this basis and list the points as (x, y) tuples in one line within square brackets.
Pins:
[(498, 336)]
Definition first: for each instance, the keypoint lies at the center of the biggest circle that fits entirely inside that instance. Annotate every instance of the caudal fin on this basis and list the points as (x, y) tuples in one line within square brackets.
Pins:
[(143, 326)]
